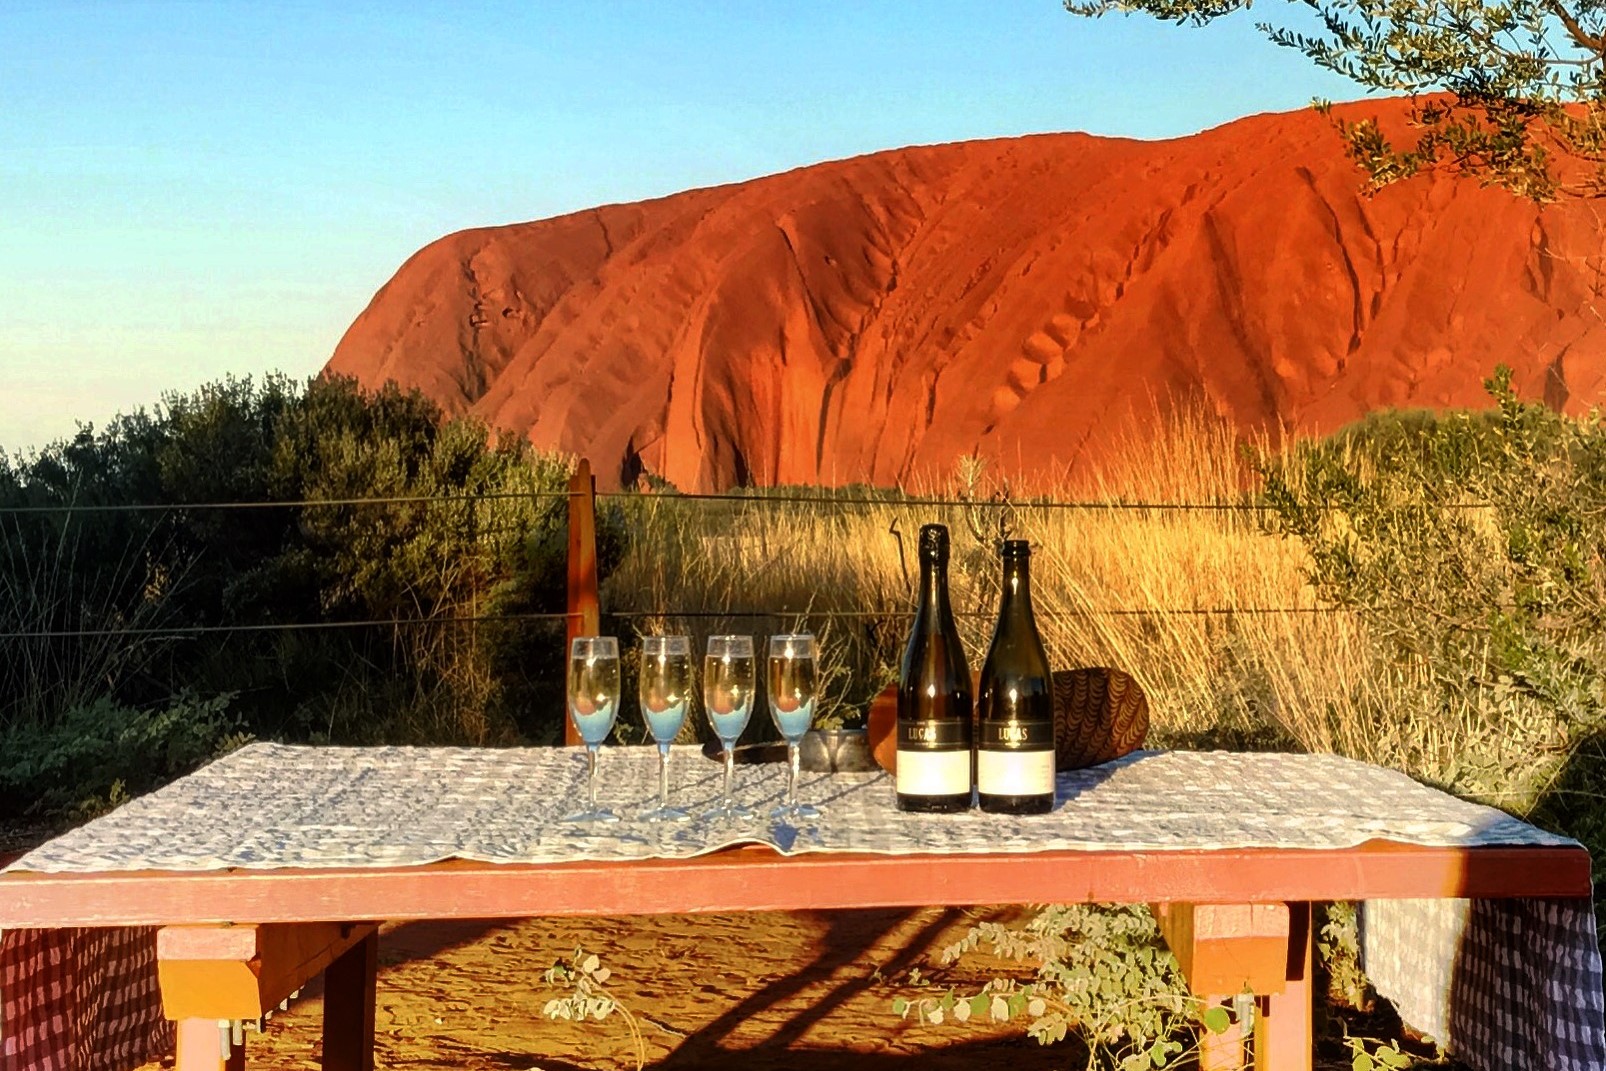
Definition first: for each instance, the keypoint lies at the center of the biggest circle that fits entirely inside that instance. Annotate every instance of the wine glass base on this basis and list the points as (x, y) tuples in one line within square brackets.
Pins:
[(795, 811), (665, 814), (601, 814), (730, 812)]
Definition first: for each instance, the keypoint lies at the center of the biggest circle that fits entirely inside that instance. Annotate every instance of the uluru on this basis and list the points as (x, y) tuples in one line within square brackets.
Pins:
[(1025, 299)]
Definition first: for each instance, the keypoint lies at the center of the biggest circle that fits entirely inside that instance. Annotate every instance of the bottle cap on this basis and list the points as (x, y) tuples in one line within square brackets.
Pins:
[(1017, 549), (934, 543)]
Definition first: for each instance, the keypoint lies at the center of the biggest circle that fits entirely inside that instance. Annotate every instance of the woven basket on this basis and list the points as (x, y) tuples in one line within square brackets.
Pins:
[(1103, 714)]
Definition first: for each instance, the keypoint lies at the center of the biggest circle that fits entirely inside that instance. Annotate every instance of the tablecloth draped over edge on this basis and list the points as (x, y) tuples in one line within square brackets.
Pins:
[(80, 999), (270, 805)]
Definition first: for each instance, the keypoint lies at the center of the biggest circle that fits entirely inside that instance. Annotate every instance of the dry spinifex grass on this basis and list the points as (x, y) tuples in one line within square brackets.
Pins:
[(1208, 610)]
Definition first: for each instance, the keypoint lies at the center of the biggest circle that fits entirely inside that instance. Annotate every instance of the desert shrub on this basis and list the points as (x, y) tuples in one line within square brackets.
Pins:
[(101, 753), (121, 608), (1472, 549), (473, 539)]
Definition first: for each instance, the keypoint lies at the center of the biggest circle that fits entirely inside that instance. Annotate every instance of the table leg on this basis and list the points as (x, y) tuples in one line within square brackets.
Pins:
[(1283, 1030), (1223, 1051), (348, 1007), (244, 972), (200, 1048)]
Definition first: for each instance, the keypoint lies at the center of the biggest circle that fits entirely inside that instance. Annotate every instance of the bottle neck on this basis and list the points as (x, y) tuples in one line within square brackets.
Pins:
[(1017, 597), (933, 589)]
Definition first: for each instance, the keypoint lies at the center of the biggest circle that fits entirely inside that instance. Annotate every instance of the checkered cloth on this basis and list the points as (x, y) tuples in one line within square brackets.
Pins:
[(80, 1000), (1471, 973)]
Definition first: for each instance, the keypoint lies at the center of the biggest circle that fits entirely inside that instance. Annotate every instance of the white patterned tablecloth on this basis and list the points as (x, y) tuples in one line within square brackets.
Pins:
[(1505, 985), (271, 805)]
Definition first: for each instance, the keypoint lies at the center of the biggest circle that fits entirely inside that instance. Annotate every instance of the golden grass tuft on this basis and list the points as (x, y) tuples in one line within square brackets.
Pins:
[(1210, 612)]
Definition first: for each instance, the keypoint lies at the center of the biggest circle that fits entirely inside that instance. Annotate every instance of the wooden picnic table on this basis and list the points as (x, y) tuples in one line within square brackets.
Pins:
[(236, 941)]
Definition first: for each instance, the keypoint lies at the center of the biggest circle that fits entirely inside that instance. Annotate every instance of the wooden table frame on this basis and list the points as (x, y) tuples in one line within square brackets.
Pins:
[(234, 943)]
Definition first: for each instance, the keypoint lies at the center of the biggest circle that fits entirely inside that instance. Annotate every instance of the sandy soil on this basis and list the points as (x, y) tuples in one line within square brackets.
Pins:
[(752, 991)]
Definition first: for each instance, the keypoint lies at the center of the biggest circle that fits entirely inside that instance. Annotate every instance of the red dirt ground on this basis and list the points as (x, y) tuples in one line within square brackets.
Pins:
[(759, 992)]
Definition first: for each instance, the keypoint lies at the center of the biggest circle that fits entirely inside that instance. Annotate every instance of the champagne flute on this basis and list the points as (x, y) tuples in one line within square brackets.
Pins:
[(593, 705), (665, 696), (728, 681), (792, 685)]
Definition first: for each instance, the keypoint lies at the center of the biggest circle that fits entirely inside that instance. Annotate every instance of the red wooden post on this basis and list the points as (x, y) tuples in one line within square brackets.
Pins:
[(1283, 1028), (348, 1007), (585, 611), (1224, 949)]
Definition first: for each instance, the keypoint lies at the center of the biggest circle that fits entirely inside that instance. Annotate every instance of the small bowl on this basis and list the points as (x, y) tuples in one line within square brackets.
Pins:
[(836, 751), (822, 751), (746, 754)]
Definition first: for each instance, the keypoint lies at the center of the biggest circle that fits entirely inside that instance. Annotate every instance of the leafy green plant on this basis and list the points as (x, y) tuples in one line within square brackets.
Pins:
[(1368, 1054), (1101, 971), (100, 754), (1338, 955), (586, 996)]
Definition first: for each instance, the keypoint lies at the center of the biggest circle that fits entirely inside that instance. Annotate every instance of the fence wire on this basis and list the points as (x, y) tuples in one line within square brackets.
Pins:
[(814, 499), (306, 503), (180, 631), (756, 499)]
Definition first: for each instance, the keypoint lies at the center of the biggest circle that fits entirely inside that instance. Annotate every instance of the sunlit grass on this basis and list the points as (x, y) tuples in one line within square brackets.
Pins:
[(1210, 612), (1187, 587)]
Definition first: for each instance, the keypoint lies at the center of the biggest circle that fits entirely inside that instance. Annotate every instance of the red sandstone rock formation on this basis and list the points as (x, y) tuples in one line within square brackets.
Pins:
[(873, 319)]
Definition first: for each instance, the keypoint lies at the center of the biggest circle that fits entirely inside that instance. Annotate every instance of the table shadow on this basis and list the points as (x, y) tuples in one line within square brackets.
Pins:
[(426, 939), (843, 944), (1021, 1054)]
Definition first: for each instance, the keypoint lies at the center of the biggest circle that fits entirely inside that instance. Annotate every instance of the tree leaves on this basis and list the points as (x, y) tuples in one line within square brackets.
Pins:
[(1502, 89)]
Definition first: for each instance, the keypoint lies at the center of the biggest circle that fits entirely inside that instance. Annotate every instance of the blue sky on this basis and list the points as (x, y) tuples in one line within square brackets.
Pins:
[(189, 189)]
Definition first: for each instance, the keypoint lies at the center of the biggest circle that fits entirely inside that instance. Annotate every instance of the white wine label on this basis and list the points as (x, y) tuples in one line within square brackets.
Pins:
[(934, 773), (930, 734), (1012, 773)]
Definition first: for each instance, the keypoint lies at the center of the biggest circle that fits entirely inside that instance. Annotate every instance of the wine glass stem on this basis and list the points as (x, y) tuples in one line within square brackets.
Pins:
[(730, 768), (794, 756), (591, 774), (663, 777)]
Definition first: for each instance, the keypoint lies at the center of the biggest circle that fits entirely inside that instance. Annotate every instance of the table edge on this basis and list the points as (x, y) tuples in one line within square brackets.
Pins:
[(754, 877)]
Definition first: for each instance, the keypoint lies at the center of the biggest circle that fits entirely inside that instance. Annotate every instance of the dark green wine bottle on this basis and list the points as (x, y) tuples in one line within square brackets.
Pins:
[(934, 695), (1015, 748)]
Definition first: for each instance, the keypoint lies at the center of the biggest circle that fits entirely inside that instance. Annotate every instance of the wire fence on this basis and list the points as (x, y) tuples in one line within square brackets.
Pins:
[(892, 501), (307, 503), (179, 631)]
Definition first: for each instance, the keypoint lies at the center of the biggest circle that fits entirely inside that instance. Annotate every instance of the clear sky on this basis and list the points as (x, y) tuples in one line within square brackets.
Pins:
[(192, 188)]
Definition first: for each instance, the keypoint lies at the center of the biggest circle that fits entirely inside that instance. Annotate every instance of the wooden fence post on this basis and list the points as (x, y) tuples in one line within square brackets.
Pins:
[(585, 612)]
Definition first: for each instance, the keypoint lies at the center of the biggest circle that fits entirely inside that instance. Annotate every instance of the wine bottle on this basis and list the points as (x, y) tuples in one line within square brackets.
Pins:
[(1015, 701), (934, 767)]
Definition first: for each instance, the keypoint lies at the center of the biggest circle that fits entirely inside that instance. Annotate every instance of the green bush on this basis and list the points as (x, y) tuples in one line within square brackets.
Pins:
[(120, 608), (97, 755), (1103, 975), (1473, 546)]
